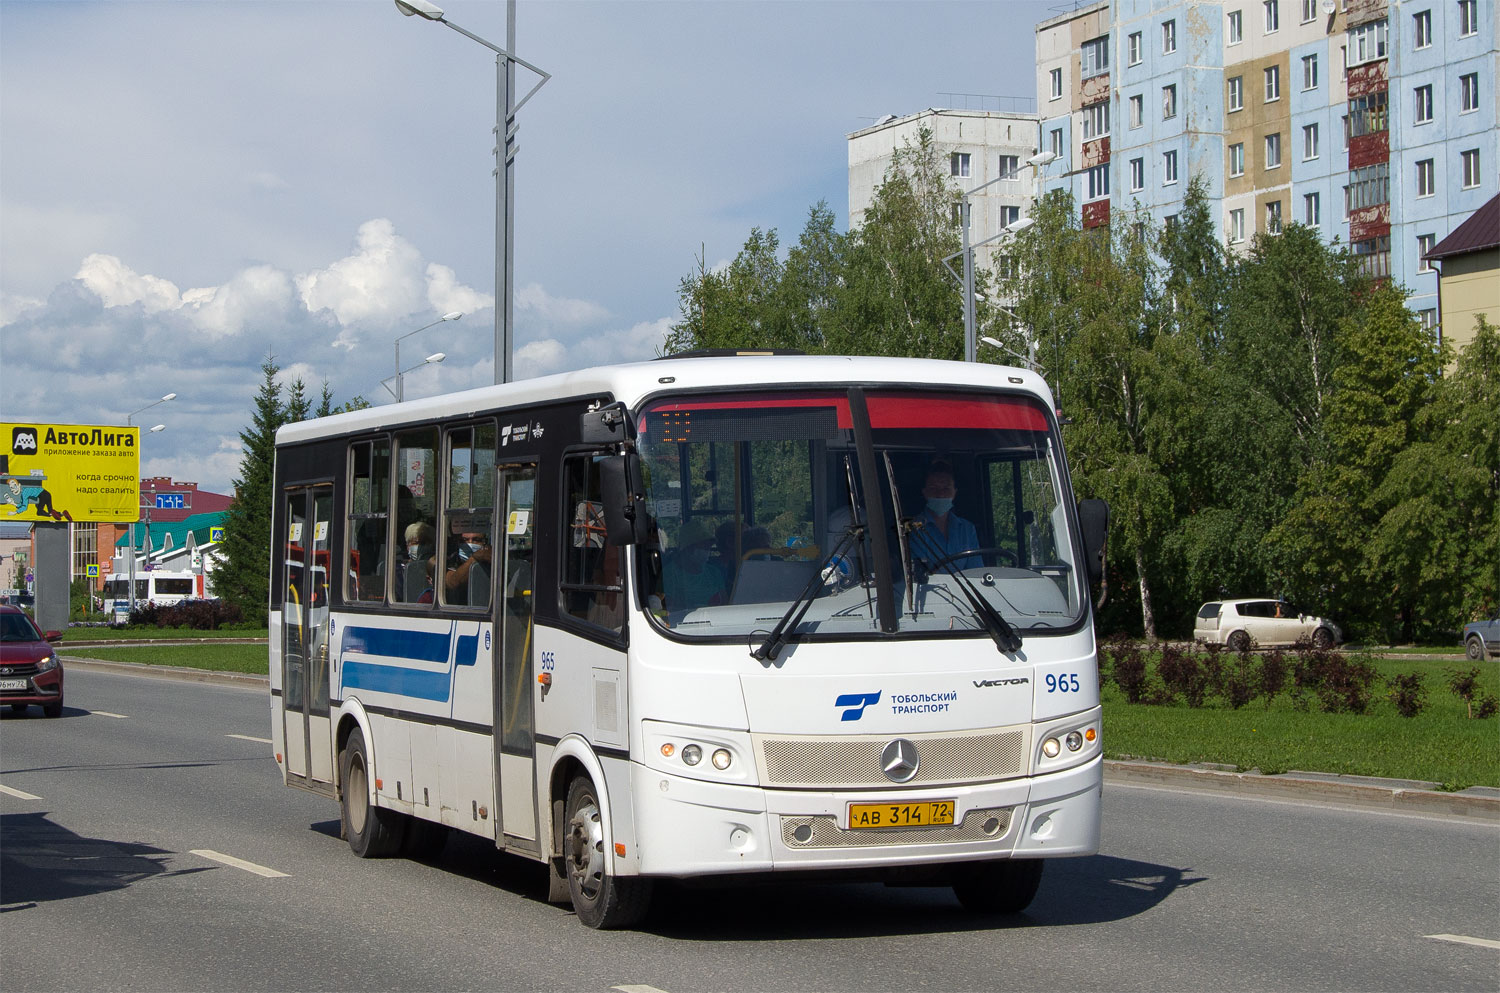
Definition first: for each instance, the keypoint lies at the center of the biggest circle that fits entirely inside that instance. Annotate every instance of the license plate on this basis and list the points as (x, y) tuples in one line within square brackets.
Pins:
[(927, 813), (12, 684)]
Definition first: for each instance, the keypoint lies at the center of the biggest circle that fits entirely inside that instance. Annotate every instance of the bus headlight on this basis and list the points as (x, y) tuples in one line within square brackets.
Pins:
[(721, 759), (692, 754), (1074, 741), (1051, 747)]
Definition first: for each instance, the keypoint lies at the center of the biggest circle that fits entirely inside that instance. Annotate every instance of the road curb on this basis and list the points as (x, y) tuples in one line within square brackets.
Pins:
[(180, 673), (1400, 796)]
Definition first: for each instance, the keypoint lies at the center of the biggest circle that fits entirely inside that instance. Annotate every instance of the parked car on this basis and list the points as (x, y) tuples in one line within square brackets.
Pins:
[(1239, 624), (1482, 638), (30, 671)]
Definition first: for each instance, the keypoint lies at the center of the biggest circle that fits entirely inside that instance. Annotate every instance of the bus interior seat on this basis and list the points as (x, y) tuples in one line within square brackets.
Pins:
[(479, 584)]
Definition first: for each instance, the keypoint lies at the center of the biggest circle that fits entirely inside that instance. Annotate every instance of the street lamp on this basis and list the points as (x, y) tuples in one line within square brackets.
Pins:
[(154, 429), (432, 359), (153, 403), (453, 316), (505, 152)]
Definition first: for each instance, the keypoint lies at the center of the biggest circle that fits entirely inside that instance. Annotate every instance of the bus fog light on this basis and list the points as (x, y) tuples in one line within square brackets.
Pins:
[(1051, 747), (692, 754), (1074, 741), (721, 759), (1090, 734), (667, 750)]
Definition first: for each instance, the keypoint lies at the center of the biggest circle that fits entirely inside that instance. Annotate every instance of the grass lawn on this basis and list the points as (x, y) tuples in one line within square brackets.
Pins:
[(142, 633), (1438, 745), (218, 658)]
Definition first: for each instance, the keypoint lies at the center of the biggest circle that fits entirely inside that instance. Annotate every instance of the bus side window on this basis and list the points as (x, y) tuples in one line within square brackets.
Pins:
[(369, 501), (590, 587)]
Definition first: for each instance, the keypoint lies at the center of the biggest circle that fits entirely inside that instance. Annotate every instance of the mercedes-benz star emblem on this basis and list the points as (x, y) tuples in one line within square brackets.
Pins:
[(899, 761)]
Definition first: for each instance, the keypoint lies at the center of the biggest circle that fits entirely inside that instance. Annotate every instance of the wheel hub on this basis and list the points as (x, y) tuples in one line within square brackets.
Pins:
[(585, 849)]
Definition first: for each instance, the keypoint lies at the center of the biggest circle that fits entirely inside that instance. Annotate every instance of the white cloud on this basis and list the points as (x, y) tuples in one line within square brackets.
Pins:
[(558, 310), (446, 294), (381, 281), (115, 283), (258, 294), (634, 344), (13, 305)]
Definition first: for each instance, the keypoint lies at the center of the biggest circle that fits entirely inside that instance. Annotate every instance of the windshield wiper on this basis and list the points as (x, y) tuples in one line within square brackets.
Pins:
[(787, 626), (902, 527), (998, 628)]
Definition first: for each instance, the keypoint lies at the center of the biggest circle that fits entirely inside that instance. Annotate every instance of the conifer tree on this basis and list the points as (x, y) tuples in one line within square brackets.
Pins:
[(243, 576)]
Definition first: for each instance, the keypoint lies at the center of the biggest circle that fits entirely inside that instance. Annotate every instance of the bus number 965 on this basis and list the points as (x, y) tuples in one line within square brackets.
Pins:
[(1065, 683)]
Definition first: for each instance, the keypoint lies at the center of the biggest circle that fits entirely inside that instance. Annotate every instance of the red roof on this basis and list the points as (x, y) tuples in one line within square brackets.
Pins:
[(1480, 231)]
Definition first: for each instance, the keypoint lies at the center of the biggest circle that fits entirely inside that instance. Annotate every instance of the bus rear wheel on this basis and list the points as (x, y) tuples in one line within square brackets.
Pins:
[(373, 832), (1002, 887), (600, 900)]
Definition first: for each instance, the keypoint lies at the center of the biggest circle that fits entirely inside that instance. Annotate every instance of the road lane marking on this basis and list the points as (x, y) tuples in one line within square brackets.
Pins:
[(637, 988), (230, 860), (246, 737), (18, 794), (1464, 939), (105, 713)]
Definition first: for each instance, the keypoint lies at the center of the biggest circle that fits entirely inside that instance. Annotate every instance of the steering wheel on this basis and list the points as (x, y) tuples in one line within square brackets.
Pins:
[(803, 552), (1001, 553)]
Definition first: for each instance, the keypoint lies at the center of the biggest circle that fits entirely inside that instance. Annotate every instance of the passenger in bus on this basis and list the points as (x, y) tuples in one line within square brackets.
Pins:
[(943, 532), (690, 578), (416, 574), (470, 552), (427, 594)]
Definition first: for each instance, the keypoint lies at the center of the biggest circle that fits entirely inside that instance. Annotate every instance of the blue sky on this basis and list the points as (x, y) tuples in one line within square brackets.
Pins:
[(185, 187)]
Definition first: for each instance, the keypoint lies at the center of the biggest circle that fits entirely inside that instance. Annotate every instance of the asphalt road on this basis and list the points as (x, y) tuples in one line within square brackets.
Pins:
[(113, 875)]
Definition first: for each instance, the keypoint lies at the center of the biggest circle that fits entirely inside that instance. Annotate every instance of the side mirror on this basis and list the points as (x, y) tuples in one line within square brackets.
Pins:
[(624, 510), (605, 426), (1093, 523), (53, 636)]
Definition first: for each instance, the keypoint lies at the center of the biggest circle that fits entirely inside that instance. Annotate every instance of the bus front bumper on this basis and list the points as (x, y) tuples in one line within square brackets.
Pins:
[(701, 828)]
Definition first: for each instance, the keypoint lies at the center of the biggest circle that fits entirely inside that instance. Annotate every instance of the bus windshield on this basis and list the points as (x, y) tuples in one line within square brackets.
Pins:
[(768, 502)]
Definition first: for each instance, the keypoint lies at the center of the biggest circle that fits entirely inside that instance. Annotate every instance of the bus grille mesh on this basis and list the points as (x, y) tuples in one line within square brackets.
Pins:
[(823, 831), (854, 761)]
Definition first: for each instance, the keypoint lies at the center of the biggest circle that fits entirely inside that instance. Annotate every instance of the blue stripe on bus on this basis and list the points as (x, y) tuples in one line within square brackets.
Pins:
[(396, 679), (468, 648), (418, 646)]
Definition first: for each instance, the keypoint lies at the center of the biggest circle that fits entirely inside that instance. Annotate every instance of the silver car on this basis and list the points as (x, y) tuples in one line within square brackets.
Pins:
[(1261, 623), (1482, 638)]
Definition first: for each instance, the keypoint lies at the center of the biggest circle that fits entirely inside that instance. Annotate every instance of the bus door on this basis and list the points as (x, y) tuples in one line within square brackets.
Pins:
[(304, 634), (515, 723)]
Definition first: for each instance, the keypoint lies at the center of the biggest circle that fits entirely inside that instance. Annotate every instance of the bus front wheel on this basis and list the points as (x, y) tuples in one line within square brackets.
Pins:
[(1001, 887), (372, 831), (600, 899)]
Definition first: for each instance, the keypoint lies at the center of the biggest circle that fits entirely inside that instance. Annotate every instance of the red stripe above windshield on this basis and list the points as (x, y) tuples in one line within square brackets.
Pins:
[(927, 411), (841, 404)]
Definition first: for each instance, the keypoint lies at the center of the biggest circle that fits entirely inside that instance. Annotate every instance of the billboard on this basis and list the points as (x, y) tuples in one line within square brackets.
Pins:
[(69, 472)]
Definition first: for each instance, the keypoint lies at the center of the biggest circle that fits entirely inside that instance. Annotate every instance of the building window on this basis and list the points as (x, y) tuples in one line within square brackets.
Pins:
[(1309, 142), (1273, 150), (1424, 245), (1236, 93), (1346, 133), (1236, 27), (1237, 159), (1168, 37), (1273, 16), (1421, 24), (1237, 225), (1096, 120), (1366, 43), (1471, 168), (1056, 139), (1426, 178), (1468, 17), (1374, 256), (1345, 215), (1137, 110), (1469, 92), (1367, 115), (1094, 57), (1169, 102), (1009, 216), (1310, 72), (1273, 217), (1429, 318), (1098, 179), (1056, 77), (1168, 168), (1369, 186), (1312, 210), (956, 214), (1273, 83), (1137, 175), (1133, 48), (1309, 10), (958, 165), (1010, 166), (1424, 104)]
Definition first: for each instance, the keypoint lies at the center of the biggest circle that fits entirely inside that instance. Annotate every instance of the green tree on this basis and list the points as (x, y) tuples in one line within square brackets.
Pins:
[(326, 405), (242, 578)]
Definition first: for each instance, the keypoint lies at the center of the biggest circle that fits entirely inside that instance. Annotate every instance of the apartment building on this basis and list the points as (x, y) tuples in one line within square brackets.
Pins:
[(1371, 120)]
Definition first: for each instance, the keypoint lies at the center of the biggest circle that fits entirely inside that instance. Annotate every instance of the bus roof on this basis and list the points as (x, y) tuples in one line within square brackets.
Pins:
[(633, 382)]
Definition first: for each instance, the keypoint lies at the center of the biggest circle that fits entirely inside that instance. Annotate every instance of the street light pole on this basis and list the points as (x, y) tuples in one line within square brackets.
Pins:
[(455, 315), (506, 148), (153, 430)]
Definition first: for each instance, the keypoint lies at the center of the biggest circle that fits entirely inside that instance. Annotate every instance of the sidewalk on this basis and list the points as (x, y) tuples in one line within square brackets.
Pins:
[(1397, 795)]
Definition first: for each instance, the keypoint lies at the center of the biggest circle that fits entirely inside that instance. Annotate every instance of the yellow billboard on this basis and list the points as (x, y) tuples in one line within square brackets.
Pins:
[(69, 472)]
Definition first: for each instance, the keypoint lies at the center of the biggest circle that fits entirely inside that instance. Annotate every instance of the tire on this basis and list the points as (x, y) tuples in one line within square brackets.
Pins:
[(52, 709), (1239, 641), (373, 832), (1322, 638), (599, 899), (1003, 887), (1474, 649)]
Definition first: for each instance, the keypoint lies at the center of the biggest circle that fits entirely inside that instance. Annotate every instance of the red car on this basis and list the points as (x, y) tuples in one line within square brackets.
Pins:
[(30, 671)]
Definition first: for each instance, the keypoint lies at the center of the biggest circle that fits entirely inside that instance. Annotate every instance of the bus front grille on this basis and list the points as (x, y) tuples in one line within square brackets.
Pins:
[(854, 761), (823, 831)]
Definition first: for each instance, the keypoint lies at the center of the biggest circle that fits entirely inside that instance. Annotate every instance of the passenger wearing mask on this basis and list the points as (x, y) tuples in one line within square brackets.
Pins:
[(470, 550), (944, 532)]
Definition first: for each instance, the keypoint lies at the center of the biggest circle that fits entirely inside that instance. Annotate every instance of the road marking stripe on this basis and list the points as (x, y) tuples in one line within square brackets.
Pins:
[(637, 988), (105, 713), (230, 860), (18, 794), (246, 737), (1464, 939)]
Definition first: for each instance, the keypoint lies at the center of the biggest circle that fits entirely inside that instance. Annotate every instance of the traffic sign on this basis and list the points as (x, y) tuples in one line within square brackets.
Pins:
[(91, 570), (215, 534)]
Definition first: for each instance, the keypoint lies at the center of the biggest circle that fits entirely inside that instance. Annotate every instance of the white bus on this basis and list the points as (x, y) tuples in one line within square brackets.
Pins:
[(162, 587), (701, 616)]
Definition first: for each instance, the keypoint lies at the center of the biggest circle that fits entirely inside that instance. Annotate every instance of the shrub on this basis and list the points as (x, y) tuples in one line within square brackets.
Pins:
[(1182, 673), (1341, 685), (199, 615), (1237, 682), (1465, 683), (1273, 673), (1128, 666), (1407, 693)]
